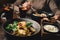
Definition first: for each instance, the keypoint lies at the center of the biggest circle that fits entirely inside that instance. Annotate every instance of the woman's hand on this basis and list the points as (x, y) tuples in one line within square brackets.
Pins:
[(56, 17), (7, 8), (26, 6)]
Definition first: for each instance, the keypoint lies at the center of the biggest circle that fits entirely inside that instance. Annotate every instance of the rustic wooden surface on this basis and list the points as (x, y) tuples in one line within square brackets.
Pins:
[(1, 34)]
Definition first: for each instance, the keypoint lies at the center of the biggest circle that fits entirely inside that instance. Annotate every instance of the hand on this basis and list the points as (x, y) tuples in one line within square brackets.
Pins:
[(26, 6), (7, 8), (56, 17)]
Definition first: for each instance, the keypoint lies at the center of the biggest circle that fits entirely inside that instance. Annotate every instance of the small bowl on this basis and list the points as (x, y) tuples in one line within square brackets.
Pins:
[(55, 24)]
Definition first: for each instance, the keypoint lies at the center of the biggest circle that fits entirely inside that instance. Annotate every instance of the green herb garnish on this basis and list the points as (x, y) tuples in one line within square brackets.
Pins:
[(29, 24), (12, 26)]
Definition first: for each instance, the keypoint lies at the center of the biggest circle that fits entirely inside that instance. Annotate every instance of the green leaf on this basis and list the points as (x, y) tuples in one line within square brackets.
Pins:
[(29, 24), (8, 27), (14, 29), (12, 26)]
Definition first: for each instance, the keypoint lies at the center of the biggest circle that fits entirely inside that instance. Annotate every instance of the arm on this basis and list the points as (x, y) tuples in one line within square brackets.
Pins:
[(36, 4), (18, 2), (54, 9)]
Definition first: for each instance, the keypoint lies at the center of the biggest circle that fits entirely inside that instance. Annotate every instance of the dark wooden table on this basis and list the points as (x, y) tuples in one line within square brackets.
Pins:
[(1, 34)]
